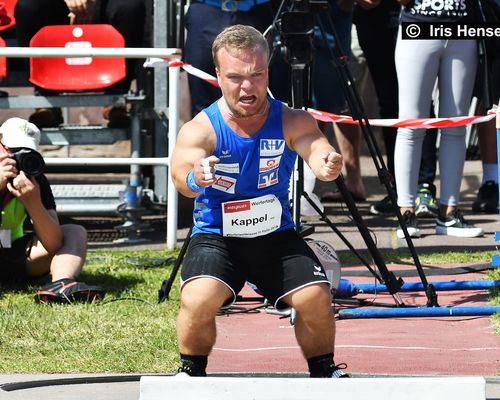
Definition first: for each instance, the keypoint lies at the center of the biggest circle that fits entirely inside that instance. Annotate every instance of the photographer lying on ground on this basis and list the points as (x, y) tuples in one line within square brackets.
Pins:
[(53, 248), (236, 157)]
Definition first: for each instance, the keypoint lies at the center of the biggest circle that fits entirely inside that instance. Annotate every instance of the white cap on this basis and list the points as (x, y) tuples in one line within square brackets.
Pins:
[(17, 132)]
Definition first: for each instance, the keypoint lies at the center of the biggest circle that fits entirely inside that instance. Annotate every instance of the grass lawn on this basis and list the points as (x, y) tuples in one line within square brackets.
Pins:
[(127, 332)]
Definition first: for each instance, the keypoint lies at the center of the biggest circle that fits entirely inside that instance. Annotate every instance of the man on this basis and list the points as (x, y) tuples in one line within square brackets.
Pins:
[(236, 158), (52, 248)]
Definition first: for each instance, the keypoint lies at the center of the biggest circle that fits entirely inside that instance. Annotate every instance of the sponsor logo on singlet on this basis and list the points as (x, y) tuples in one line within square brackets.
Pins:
[(268, 164), (225, 154), (224, 183), (271, 147), (268, 179), (233, 168)]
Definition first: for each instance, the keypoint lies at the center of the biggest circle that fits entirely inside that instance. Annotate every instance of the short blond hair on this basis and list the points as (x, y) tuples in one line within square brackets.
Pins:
[(238, 38)]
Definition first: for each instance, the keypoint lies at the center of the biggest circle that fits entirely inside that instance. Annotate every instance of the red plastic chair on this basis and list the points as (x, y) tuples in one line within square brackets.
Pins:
[(9, 10), (76, 74), (3, 62)]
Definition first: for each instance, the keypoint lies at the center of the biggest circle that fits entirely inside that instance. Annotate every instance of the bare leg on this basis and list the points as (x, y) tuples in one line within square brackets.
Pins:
[(67, 262), (315, 326), (487, 142), (349, 141), (200, 300)]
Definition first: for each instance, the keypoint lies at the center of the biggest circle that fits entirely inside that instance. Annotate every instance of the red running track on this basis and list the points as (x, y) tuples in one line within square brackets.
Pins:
[(263, 343)]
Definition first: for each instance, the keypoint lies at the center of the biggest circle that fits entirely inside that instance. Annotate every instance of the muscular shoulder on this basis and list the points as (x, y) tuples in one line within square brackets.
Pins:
[(198, 132), (297, 122)]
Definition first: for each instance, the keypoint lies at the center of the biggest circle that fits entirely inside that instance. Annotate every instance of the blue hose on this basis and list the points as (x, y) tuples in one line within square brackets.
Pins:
[(418, 312), (346, 289), (418, 286)]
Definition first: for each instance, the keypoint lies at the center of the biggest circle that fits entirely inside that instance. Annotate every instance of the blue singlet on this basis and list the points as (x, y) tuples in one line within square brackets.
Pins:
[(249, 168)]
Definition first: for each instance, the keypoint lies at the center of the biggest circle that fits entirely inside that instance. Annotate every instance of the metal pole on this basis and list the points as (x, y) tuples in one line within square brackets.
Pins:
[(498, 141), (417, 286), (173, 127), (406, 312)]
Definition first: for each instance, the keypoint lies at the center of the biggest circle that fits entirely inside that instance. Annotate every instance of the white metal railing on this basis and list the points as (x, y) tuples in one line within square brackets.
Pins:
[(106, 52), (107, 161), (173, 111)]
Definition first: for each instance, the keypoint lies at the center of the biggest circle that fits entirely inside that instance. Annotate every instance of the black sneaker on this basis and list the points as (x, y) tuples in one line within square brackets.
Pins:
[(383, 206), (410, 221), (189, 370), (454, 224), (487, 198), (67, 291), (426, 205), (337, 371)]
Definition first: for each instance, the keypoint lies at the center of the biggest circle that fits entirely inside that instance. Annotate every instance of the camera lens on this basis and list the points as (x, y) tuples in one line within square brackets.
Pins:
[(29, 161), (32, 164)]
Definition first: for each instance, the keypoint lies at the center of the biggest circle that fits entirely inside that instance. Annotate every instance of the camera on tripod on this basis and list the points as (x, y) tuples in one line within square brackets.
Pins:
[(296, 31), (29, 161)]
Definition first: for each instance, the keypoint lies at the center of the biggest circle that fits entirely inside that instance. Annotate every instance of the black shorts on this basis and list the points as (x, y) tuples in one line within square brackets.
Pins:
[(278, 263), (13, 261)]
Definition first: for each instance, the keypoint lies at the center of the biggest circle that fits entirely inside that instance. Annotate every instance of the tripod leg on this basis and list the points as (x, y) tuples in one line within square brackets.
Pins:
[(342, 237), (166, 286), (387, 275)]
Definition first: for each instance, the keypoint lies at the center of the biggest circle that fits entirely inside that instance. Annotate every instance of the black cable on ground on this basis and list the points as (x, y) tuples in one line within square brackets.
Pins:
[(10, 387)]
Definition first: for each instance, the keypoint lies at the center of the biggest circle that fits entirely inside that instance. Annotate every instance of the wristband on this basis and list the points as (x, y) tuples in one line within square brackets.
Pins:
[(191, 183)]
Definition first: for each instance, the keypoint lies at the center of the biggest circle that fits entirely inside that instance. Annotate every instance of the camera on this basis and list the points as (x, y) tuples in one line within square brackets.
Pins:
[(29, 161), (297, 32)]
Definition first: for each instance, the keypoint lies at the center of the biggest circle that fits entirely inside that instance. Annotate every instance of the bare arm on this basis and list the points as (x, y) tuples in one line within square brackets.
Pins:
[(193, 151), (81, 11), (303, 136), (45, 222), (8, 169), (368, 4)]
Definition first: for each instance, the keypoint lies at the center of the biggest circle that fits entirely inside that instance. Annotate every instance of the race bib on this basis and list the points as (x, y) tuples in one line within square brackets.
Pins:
[(251, 218)]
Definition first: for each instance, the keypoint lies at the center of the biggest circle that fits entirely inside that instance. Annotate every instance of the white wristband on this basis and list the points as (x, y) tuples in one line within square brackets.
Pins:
[(208, 177), (205, 162), (207, 170)]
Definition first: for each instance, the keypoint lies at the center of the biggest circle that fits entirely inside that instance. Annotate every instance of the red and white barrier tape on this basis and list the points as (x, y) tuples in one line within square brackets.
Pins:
[(406, 123), (172, 62), (341, 119)]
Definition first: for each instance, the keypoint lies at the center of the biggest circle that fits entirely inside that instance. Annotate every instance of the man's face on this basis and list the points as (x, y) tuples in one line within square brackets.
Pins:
[(243, 78)]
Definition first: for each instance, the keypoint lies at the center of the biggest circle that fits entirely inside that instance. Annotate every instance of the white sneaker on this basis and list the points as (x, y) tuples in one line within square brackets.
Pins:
[(337, 371), (454, 224), (307, 210)]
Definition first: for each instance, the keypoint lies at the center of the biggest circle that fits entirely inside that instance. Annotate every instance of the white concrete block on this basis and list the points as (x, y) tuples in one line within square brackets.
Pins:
[(276, 388)]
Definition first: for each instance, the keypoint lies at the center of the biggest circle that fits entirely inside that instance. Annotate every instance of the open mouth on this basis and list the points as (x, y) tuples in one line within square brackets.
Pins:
[(248, 99)]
